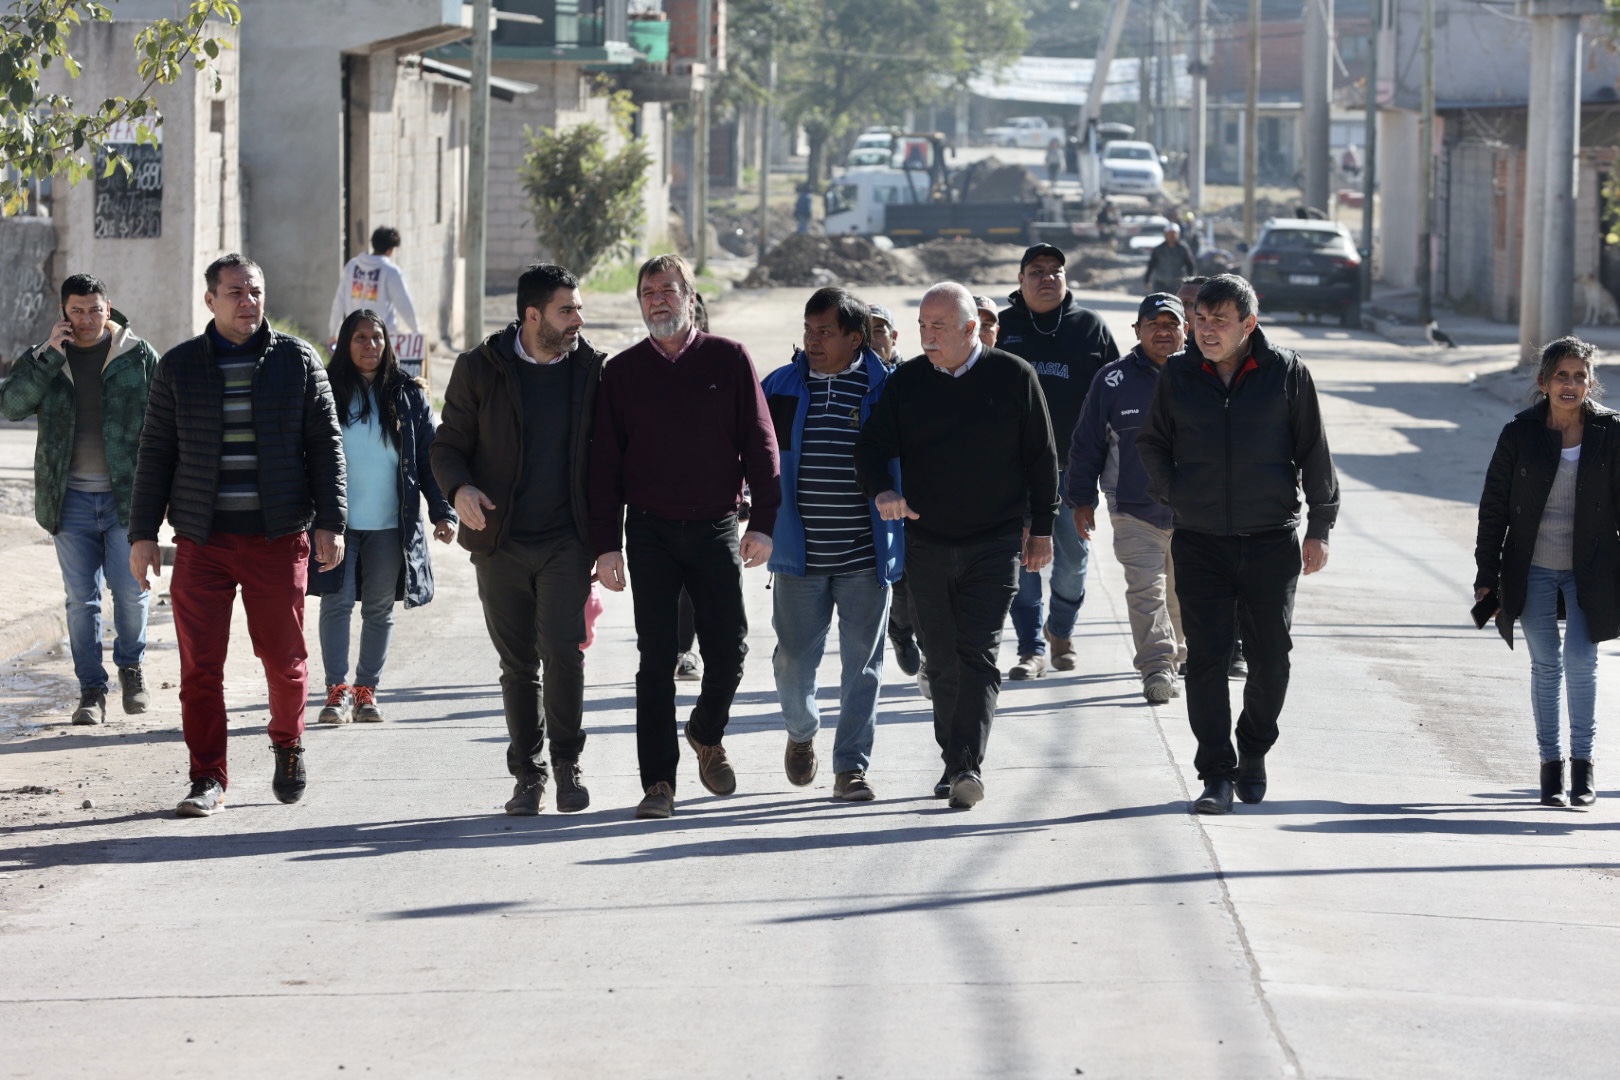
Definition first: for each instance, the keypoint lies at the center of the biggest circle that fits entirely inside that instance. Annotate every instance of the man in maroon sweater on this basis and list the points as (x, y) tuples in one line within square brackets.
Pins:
[(681, 422)]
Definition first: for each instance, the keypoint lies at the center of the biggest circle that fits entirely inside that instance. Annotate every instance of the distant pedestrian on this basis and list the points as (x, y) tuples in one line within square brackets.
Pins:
[(978, 495), (87, 384), (1066, 344), (831, 552), (242, 450), (387, 437), (988, 319), (681, 424), (1107, 221), (374, 281), (885, 336), (1104, 451), (1054, 160), (1169, 262), (512, 455), (803, 209), (1233, 437), (1548, 550)]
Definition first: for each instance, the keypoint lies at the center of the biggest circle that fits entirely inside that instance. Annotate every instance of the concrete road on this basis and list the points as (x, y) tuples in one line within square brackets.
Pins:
[(1399, 906)]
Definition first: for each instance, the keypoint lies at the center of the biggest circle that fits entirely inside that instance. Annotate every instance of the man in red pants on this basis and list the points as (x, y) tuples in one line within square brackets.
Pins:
[(241, 449)]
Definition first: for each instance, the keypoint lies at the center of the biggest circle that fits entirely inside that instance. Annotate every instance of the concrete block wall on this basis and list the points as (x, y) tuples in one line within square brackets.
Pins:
[(157, 281)]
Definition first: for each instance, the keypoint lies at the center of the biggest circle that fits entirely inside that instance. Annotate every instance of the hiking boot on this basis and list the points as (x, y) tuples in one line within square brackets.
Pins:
[(714, 768), (365, 705), (339, 705), (207, 797), (659, 802), (800, 761), (92, 707), (1159, 687), (967, 788), (1032, 666), (136, 699), (289, 780), (1060, 649), (922, 686), (906, 653), (528, 795), (852, 787), (942, 787), (572, 797), (687, 668)]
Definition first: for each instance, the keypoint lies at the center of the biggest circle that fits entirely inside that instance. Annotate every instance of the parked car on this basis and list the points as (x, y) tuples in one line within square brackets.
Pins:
[(1307, 266), (1131, 168), (1032, 132)]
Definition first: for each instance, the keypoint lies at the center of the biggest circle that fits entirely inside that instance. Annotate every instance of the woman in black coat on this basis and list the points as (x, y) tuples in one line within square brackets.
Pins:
[(1549, 548), (387, 426)]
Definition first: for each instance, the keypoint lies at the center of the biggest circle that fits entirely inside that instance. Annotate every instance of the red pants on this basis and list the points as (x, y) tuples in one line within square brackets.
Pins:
[(272, 574)]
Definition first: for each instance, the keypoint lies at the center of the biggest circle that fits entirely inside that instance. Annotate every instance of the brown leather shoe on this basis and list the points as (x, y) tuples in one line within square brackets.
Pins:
[(1060, 650), (800, 762), (852, 787), (659, 802), (714, 768)]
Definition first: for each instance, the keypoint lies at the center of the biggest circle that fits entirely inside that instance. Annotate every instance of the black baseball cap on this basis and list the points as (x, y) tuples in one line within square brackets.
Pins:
[(1155, 304), (1035, 251)]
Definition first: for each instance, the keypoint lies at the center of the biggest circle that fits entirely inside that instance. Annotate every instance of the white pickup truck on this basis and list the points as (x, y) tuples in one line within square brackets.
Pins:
[(1032, 132)]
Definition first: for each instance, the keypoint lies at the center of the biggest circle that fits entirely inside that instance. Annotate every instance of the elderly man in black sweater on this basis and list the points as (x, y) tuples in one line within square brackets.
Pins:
[(970, 428)]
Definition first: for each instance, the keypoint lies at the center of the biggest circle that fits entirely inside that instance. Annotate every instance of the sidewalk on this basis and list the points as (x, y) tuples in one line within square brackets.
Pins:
[(1393, 314)]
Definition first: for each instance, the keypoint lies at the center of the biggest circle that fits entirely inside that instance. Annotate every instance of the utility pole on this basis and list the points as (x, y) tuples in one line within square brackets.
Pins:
[(1369, 160), (472, 322), (1251, 124), (1195, 112), (1114, 23), (765, 148), (700, 147), (1316, 95), (1425, 260), (1561, 116), (1535, 197)]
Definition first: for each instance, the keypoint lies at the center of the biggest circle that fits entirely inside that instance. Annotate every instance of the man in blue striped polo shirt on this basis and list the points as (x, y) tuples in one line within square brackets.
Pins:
[(831, 552)]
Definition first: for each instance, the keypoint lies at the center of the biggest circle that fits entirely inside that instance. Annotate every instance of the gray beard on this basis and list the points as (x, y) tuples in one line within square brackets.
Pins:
[(670, 326)]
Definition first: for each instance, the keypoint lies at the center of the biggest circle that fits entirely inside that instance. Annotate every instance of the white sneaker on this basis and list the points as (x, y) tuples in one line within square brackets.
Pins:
[(1159, 687)]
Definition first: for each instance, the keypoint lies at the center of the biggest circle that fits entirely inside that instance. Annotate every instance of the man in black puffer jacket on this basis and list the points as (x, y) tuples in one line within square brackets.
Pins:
[(1233, 435), (241, 449), (1066, 344)]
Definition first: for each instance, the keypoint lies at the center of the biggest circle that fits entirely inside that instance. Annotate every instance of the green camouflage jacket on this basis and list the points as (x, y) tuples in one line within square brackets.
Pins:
[(40, 382)]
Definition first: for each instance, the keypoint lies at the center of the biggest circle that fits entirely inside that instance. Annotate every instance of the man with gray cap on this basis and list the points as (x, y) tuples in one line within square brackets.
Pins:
[(1065, 343), (1104, 451), (885, 336), (988, 320), (1169, 262)]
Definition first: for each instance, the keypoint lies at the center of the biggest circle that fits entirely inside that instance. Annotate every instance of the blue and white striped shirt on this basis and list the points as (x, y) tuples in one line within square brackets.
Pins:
[(837, 517)]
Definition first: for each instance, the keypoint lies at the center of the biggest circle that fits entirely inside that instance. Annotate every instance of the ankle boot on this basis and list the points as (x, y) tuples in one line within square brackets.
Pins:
[(1552, 783), (1581, 792)]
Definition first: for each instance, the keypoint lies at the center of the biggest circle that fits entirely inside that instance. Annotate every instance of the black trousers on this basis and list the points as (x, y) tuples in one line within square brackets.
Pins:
[(534, 607), (663, 556), (1254, 576), (961, 595), (902, 620)]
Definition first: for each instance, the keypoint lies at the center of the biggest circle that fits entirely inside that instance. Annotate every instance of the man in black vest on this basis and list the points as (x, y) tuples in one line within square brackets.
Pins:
[(1235, 541)]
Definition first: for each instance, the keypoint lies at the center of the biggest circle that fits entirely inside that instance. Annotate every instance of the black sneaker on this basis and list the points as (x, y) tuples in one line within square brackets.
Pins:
[(136, 699), (92, 707), (966, 790), (906, 653), (206, 798), (289, 781), (572, 797), (528, 795)]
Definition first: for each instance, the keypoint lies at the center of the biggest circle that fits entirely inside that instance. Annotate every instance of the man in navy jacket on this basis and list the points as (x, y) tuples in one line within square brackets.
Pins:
[(830, 548)]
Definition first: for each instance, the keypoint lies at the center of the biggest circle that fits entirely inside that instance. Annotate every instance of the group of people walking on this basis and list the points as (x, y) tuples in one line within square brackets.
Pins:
[(917, 501)]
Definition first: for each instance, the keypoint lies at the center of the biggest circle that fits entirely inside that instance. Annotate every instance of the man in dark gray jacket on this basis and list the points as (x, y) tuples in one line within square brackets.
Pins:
[(1233, 436), (241, 449)]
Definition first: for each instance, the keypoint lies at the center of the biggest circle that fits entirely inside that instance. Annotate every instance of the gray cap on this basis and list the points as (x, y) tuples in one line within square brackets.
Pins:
[(881, 312)]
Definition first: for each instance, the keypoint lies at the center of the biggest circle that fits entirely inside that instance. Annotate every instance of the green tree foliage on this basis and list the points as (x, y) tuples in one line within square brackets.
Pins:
[(586, 198), (44, 134), (841, 63)]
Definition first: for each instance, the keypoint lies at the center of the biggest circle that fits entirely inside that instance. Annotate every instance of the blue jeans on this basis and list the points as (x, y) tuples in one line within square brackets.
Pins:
[(1070, 556), (802, 614), (92, 549), (372, 560), (1574, 665)]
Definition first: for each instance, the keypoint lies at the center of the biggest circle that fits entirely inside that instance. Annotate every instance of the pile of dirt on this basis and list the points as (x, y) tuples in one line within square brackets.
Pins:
[(969, 260), (806, 260), (993, 180), (738, 232)]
